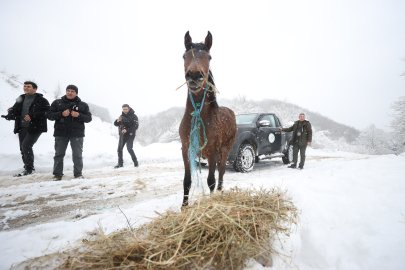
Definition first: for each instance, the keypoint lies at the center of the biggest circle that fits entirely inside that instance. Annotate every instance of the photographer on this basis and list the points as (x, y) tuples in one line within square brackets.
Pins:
[(29, 114), (69, 114), (302, 136), (127, 124)]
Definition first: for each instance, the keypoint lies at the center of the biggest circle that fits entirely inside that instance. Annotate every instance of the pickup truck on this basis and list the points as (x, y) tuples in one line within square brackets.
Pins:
[(259, 137)]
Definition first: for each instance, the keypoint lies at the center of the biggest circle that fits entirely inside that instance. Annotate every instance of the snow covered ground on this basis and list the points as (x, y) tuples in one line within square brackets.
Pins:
[(353, 206)]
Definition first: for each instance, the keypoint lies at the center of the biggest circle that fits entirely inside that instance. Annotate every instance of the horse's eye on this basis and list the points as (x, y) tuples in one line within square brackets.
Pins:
[(209, 57), (184, 56)]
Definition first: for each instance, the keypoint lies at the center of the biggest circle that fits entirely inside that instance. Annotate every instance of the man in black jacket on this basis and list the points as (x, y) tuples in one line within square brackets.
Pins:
[(69, 114), (127, 124), (29, 113)]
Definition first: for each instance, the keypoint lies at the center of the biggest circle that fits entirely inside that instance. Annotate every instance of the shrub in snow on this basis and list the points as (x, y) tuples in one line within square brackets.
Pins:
[(241, 105), (172, 134), (374, 141)]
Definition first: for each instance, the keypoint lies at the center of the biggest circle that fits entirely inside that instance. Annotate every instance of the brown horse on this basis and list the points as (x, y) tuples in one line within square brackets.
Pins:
[(219, 122)]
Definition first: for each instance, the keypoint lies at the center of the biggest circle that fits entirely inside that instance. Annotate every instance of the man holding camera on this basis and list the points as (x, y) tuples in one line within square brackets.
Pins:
[(29, 114), (69, 114), (127, 124), (302, 136)]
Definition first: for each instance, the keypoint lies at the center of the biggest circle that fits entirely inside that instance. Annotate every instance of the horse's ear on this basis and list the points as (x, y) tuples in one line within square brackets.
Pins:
[(187, 39), (208, 40)]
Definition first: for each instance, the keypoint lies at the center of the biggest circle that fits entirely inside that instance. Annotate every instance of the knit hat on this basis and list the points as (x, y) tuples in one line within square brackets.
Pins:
[(73, 87)]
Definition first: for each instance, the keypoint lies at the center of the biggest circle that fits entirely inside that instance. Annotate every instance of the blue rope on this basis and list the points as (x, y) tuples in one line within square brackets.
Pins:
[(195, 149)]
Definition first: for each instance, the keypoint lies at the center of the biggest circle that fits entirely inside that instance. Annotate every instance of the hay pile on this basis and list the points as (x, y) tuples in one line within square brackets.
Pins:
[(217, 232)]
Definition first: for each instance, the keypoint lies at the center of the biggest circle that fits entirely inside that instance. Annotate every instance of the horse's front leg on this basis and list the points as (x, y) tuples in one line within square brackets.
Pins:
[(187, 176), (212, 160), (221, 167)]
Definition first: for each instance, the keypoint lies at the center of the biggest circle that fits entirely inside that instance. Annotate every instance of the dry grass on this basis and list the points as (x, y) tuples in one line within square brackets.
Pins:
[(217, 232)]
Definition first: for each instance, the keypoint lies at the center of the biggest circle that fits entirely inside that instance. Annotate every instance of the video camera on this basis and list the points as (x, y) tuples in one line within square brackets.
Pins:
[(8, 116)]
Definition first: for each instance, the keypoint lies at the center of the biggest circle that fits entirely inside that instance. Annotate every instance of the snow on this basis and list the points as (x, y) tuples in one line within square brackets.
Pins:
[(352, 206)]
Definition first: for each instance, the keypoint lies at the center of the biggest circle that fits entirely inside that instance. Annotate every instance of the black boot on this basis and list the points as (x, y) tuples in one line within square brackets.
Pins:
[(118, 166), (301, 167), (25, 172), (136, 163), (292, 166)]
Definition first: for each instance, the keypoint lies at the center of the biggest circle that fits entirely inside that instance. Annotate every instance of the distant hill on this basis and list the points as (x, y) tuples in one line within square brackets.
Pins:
[(318, 121), (152, 127)]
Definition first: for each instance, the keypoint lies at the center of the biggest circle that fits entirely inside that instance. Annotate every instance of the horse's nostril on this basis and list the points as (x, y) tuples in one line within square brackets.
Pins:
[(188, 75), (200, 76)]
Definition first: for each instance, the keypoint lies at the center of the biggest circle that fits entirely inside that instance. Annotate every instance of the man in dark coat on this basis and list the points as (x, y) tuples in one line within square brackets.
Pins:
[(127, 124), (302, 136), (29, 113), (69, 114)]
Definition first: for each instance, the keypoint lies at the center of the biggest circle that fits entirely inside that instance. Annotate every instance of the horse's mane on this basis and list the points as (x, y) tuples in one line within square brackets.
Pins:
[(212, 94)]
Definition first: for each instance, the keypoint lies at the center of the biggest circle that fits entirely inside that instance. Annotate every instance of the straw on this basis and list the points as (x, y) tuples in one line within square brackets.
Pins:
[(221, 231)]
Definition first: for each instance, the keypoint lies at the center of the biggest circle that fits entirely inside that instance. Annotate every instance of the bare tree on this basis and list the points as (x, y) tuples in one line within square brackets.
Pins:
[(11, 79), (374, 141), (398, 121), (240, 105), (57, 92)]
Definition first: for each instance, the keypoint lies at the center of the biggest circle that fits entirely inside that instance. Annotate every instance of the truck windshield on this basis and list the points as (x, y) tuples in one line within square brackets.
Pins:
[(245, 118)]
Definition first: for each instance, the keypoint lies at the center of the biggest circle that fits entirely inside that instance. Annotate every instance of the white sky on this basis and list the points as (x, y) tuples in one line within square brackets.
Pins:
[(339, 58)]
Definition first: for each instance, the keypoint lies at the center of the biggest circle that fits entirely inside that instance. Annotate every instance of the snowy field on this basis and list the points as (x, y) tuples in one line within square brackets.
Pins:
[(353, 206)]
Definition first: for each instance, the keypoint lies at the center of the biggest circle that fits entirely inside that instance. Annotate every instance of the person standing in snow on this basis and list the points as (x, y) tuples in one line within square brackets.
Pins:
[(302, 136), (29, 113), (127, 124), (70, 114)]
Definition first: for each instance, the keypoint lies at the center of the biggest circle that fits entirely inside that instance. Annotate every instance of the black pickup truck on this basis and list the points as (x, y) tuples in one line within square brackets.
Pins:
[(259, 137)]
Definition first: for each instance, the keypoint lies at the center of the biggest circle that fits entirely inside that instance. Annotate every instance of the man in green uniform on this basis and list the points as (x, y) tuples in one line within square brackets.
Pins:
[(302, 136)]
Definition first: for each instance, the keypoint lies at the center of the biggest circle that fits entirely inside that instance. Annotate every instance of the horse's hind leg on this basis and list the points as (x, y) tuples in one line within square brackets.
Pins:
[(211, 174), (187, 176), (221, 168)]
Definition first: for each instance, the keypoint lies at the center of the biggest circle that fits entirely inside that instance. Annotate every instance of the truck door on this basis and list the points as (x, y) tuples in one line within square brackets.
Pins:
[(283, 134), (264, 131), (275, 136)]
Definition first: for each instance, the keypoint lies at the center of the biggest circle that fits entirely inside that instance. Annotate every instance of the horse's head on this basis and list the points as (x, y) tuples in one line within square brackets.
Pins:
[(197, 62)]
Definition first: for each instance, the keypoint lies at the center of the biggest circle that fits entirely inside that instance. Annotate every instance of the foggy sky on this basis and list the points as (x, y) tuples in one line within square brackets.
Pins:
[(339, 58)]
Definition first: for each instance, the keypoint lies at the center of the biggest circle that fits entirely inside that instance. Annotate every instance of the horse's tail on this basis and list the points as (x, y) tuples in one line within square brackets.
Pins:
[(211, 92)]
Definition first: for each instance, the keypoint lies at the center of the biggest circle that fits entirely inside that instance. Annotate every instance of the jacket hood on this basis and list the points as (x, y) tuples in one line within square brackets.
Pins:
[(131, 112), (21, 97), (75, 99), (305, 121)]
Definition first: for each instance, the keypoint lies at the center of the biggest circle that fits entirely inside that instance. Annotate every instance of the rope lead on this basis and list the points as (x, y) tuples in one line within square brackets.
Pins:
[(196, 124)]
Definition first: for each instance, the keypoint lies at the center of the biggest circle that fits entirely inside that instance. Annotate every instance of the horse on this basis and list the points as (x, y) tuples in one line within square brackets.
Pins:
[(219, 122)]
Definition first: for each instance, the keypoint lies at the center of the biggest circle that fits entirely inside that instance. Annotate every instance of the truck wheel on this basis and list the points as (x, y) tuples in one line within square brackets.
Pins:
[(288, 154), (245, 159)]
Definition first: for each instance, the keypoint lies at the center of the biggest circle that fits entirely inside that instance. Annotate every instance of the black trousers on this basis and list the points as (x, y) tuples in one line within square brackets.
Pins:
[(27, 141), (61, 143), (297, 147), (129, 141)]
